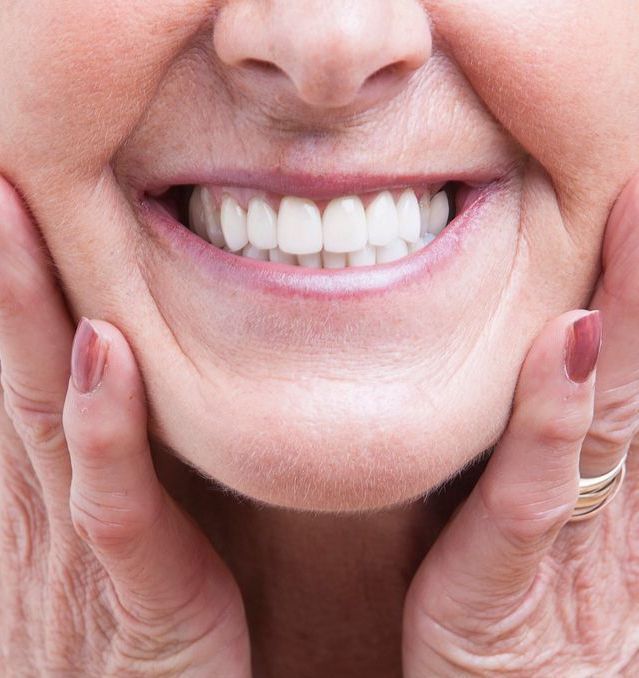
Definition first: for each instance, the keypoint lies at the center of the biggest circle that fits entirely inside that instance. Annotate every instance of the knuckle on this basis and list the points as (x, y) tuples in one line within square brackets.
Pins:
[(91, 438), (559, 428), (524, 517), (17, 297), (22, 284), (36, 416), (616, 422), (112, 520), (533, 532)]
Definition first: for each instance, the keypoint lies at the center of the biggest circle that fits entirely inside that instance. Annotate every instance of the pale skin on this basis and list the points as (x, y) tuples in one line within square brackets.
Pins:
[(103, 574)]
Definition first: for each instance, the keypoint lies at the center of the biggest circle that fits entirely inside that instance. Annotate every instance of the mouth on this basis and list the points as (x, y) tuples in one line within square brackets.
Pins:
[(323, 236), (359, 230)]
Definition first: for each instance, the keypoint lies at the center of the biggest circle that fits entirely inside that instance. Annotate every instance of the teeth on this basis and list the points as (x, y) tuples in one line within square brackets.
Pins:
[(334, 259), (299, 226), (346, 234), (421, 243), (197, 220), (233, 224), (205, 217), (310, 260), (363, 257), (262, 224), (409, 216), (345, 227), (391, 252), (424, 209), (278, 257), (383, 222), (253, 252), (416, 246), (439, 213)]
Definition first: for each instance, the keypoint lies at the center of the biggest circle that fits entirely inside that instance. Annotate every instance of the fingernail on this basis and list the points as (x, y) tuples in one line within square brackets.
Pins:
[(583, 345), (88, 357)]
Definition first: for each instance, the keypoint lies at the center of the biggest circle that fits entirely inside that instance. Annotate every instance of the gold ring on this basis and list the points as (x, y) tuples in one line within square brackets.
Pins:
[(596, 493)]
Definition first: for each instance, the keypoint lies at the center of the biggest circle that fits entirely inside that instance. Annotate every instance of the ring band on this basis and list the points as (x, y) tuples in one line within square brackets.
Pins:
[(596, 493)]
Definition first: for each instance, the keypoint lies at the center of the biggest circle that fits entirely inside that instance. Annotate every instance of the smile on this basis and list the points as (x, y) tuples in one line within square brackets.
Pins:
[(324, 245), (366, 230)]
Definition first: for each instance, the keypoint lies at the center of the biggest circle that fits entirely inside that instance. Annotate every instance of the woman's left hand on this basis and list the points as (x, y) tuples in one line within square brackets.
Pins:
[(511, 587)]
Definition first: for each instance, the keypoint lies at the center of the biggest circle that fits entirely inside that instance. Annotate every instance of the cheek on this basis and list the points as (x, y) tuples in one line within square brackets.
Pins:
[(106, 58), (563, 78)]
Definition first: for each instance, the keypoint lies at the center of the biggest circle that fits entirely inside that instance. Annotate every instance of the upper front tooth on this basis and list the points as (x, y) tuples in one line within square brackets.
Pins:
[(439, 213), (261, 224), (409, 216), (383, 222), (234, 224), (424, 209), (299, 226), (345, 225)]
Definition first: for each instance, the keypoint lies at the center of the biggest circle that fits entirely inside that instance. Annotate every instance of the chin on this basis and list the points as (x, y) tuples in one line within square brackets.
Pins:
[(336, 447)]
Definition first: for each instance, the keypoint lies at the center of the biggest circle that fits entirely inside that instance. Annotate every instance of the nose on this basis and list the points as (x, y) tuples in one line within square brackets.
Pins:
[(327, 53)]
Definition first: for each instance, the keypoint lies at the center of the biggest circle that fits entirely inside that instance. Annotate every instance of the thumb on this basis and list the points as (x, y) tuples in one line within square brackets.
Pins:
[(161, 565), (486, 559)]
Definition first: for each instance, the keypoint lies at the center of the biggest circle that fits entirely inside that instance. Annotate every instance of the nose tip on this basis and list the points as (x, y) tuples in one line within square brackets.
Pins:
[(328, 53)]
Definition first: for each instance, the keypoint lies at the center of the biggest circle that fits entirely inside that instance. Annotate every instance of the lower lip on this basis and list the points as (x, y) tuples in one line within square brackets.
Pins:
[(297, 281)]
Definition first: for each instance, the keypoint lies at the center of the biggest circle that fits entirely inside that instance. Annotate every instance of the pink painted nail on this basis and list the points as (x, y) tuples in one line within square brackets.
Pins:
[(88, 357), (583, 345)]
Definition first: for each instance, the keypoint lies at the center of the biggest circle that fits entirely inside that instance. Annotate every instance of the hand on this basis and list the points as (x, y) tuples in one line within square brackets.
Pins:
[(509, 588), (102, 574)]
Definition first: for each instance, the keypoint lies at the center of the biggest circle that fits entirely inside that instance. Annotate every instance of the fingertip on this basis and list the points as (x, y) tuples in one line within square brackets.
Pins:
[(105, 404), (582, 347), (561, 363), (88, 357), (102, 359)]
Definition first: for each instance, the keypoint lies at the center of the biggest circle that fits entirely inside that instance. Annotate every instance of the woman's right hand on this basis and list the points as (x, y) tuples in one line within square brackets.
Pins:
[(102, 574)]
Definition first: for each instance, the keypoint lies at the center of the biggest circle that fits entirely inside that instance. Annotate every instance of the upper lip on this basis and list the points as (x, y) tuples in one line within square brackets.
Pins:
[(318, 186)]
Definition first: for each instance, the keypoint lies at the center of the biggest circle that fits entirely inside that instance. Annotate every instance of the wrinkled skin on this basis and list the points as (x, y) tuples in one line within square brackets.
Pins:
[(366, 390), (526, 104)]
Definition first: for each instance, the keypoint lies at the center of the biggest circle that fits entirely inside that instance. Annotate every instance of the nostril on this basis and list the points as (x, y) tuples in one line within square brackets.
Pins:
[(261, 65), (388, 73)]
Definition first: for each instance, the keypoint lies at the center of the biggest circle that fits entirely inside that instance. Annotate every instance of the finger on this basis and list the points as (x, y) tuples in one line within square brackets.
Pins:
[(616, 420), (35, 343), (160, 563), (488, 556)]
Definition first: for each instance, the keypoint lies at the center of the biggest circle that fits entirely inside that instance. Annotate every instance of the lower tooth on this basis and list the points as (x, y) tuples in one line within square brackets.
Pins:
[(334, 259), (365, 257), (253, 252), (276, 256), (416, 246), (310, 260), (391, 252)]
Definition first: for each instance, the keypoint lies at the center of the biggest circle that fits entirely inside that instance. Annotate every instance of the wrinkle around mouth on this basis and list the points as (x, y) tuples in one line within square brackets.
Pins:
[(166, 323)]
